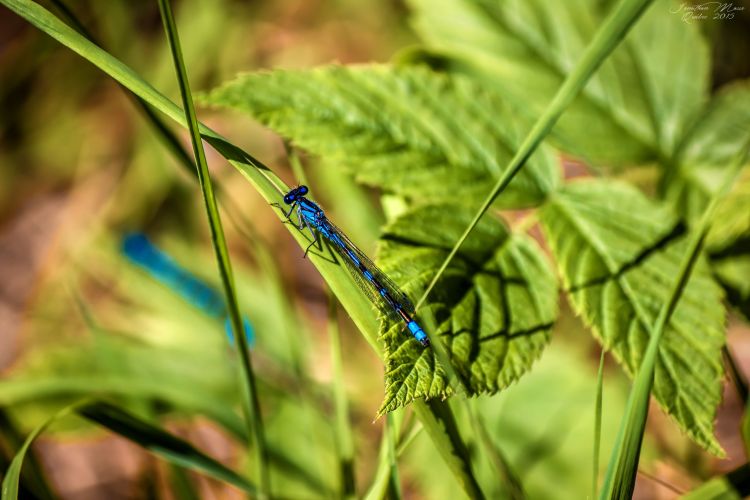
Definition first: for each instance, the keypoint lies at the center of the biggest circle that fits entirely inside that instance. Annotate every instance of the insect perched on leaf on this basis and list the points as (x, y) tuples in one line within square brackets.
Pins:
[(380, 289)]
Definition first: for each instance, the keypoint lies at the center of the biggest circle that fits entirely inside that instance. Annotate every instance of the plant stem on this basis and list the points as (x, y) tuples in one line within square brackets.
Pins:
[(597, 425), (343, 427), (252, 405)]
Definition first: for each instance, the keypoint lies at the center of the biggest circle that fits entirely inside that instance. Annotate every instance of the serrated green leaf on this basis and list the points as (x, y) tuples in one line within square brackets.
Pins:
[(494, 307), (407, 130), (723, 128), (618, 253), (635, 107)]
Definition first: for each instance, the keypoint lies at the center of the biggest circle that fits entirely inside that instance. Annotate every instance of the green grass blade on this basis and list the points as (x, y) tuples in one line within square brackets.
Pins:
[(392, 426), (343, 428), (623, 464), (271, 188), (597, 425), (34, 483), (379, 486), (181, 485), (160, 443), (252, 412), (611, 33), (13, 474)]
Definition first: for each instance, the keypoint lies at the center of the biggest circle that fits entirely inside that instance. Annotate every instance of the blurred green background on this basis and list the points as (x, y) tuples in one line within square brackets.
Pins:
[(80, 167)]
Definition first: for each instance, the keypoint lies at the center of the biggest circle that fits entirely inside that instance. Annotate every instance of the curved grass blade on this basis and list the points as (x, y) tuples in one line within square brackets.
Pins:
[(623, 465), (597, 425), (160, 443), (269, 186), (379, 485), (343, 428), (392, 426), (13, 474), (612, 31), (252, 411), (33, 480)]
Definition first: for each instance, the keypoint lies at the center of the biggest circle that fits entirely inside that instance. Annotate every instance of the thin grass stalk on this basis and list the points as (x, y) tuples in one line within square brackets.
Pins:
[(597, 425), (391, 432), (33, 483), (10, 486), (381, 483), (252, 410), (612, 31), (411, 434), (379, 487), (344, 441), (619, 481)]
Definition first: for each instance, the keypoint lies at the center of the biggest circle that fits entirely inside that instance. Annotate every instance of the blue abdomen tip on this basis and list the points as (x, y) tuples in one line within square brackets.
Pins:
[(418, 333)]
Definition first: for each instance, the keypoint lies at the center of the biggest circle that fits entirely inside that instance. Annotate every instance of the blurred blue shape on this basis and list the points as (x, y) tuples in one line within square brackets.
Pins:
[(144, 254)]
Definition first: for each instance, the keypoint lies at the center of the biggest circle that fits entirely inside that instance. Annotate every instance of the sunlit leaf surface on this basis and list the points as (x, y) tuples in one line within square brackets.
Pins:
[(626, 114), (494, 307), (407, 130), (618, 254)]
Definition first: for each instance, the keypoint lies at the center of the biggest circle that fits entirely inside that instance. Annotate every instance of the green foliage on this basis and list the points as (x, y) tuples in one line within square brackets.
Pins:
[(252, 411), (410, 131), (543, 424), (626, 114), (494, 306), (618, 254), (619, 481), (435, 143)]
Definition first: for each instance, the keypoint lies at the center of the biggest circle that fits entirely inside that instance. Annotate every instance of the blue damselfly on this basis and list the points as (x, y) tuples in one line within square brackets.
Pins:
[(380, 289)]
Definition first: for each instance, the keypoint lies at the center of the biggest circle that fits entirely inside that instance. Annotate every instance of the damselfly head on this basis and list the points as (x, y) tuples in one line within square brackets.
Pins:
[(295, 194)]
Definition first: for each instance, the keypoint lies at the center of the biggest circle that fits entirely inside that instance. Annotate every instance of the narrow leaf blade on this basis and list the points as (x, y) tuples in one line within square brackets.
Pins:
[(161, 443)]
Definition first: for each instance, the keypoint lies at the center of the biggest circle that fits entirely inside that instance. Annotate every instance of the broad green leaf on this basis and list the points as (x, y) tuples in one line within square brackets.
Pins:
[(494, 306), (161, 443), (407, 130), (618, 253), (633, 110), (722, 130)]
